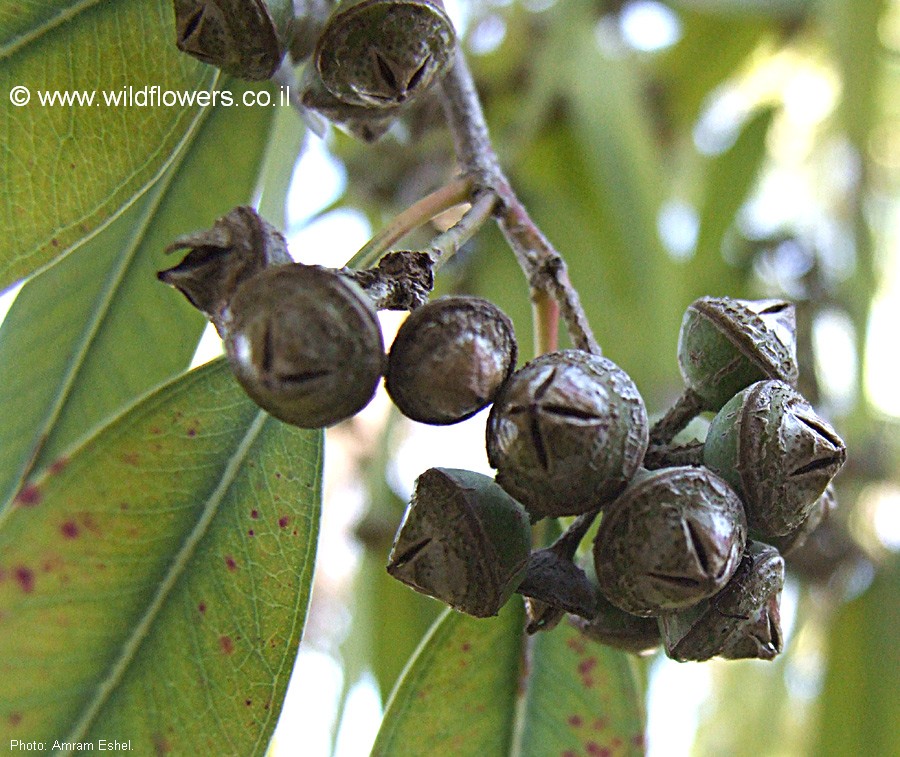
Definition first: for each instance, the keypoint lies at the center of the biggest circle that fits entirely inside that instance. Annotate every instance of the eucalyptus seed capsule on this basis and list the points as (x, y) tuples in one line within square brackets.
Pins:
[(305, 344), (238, 246), (742, 621), (384, 53), (770, 445), (672, 538), (244, 38), (567, 433), (725, 345), (463, 540), (449, 359)]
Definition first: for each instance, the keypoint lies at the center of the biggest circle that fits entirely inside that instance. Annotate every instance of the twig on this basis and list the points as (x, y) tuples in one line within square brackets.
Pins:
[(446, 245), (542, 264), (677, 417), (454, 193)]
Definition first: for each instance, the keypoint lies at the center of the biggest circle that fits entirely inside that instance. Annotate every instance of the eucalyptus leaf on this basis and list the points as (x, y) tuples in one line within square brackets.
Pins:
[(68, 170), (582, 698), (472, 688), (458, 694), (155, 588), (728, 180), (860, 703)]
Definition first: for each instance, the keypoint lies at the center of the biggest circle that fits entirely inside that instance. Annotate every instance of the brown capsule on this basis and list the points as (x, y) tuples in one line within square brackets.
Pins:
[(673, 537), (463, 540), (621, 630), (305, 344), (383, 53), (742, 621), (725, 345), (770, 445), (567, 433), (238, 246), (244, 38), (449, 359)]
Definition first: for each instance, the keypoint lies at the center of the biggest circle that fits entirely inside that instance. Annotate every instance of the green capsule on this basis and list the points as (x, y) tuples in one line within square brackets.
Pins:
[(770, 445), (725, 345), (463, 540), (384, 53), (672, 538)]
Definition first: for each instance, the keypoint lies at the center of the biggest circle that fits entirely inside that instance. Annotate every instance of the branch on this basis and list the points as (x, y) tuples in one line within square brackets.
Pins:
[(543, 266)]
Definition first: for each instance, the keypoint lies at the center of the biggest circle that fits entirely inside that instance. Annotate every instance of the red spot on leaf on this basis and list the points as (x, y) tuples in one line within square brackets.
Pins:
[(616, 743), (15, 718), (595, 750), (250, 533), (575, 721), (69, 529), (576, 645), (283, 521), (25, 578), (600, 723), (54, 242), (58, 465), (131, 458), (568, 753), (202, 608), (638, 740), (226, 644), (585, 666), (230, 563), (161, 745), (156, 431), (192, 432), (254, 514), (248, 702), (466, 646), (29, 495), (277, 474)]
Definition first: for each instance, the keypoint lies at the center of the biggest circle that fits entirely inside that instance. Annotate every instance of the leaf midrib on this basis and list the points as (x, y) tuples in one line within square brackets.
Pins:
[(8, 49), (130, 649)]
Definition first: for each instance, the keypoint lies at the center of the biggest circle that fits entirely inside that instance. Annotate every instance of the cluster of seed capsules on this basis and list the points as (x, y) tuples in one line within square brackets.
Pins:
[(686, 555), (365, 61)]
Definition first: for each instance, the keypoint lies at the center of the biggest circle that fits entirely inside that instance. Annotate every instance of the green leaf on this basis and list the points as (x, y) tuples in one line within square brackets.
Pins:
[(711, 49), (458, 694), (860, 705), (155, 590), (583, 698), (86, 337), (727, 183), (853, 28), (67, 171)]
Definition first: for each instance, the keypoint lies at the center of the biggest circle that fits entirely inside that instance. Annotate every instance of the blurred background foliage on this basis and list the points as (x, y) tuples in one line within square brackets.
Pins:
[(669, 150)]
